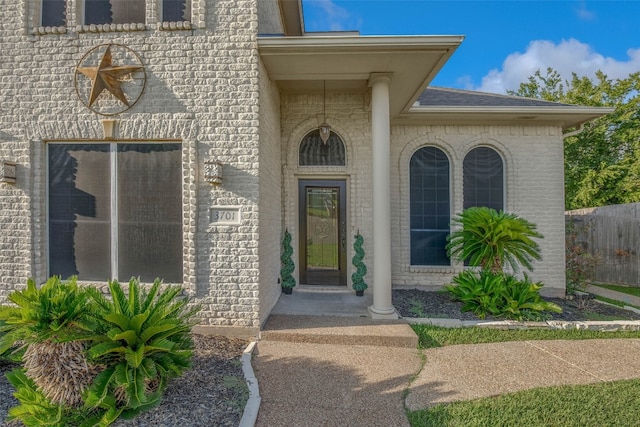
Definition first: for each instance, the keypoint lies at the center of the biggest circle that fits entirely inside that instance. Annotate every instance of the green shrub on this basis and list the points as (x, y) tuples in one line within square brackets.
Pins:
[(58, 311), (146, 342), (49, 328), (495, 294), (89, 360), (522, 300), (491, 239)]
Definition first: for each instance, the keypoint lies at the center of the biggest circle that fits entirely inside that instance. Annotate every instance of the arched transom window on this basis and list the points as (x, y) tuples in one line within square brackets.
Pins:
[(430, 206), (314, 152)]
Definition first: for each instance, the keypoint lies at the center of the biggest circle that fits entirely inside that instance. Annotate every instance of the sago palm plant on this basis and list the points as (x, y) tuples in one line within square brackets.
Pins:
[(493, 240), (146, 342), (49, 326)]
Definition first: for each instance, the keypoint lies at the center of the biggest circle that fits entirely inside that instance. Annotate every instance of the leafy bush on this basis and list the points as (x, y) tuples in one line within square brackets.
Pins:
[(58, 311), (49, 327), (495, 294), (146, 342), (580, 263), (491, 239), (89, 360)]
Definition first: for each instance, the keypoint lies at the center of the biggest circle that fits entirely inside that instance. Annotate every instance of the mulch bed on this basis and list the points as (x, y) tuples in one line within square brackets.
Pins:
[(417, 303), (212, 393)]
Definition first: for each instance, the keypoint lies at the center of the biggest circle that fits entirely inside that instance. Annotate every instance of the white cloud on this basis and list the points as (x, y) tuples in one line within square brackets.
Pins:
[(330, 15), (566, 57), (584, 13)]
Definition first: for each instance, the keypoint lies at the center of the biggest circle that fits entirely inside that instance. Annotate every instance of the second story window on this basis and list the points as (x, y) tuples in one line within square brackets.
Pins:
[(114, 11), (176, 10), (53, 13)]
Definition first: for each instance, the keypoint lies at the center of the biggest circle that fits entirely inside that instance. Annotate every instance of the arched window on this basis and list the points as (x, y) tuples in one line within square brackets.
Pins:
[(483, 179), (314, 152), (430, 206)]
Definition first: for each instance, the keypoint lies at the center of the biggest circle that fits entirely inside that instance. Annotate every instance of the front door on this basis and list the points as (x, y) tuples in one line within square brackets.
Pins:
[(322, 232)]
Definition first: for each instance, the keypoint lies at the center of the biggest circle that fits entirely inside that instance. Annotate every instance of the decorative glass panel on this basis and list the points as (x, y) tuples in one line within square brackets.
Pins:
[(429, 207), (79, 211), (483, 179), (176, 10), (53, 13), (314, 152), (150, 212), (322, 228), (114, 11)]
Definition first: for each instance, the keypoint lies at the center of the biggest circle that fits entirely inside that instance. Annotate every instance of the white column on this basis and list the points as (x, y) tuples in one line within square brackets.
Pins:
[(381, 143)]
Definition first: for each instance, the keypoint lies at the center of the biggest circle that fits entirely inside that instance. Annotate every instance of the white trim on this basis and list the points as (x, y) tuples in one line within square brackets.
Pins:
[(113, 206)]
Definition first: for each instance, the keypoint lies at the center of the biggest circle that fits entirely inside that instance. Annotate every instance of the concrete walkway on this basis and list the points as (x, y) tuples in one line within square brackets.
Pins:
[(337, 370), (466, 372), (618, 296)]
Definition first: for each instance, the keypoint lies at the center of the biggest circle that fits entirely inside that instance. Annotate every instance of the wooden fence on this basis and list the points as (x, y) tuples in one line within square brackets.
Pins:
[(612, 235)]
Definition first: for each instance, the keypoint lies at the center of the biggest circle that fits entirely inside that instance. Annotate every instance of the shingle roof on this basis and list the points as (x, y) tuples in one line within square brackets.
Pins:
[(445, 97)]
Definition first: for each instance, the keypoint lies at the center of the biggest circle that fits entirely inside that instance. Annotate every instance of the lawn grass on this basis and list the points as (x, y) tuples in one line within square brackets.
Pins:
[(614, 302), (624, 289), (613, 404), (434, 336)]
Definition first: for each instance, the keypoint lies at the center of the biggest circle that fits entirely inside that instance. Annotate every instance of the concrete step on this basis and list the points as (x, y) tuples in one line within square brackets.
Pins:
[(339, 330)]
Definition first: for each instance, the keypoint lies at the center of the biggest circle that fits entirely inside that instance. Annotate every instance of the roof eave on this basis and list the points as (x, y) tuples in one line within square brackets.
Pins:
[(413, 61), (565, 116)]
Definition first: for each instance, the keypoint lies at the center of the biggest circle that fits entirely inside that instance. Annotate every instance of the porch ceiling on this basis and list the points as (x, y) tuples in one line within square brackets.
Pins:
[(346, 62)]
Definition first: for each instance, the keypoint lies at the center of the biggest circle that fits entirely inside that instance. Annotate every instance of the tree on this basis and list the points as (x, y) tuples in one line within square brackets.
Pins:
[(602, 163)]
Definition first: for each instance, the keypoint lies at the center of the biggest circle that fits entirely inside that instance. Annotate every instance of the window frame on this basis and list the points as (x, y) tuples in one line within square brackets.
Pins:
[(333, 136), (503, 187), (113, 201), (83, 14), (446, 156)]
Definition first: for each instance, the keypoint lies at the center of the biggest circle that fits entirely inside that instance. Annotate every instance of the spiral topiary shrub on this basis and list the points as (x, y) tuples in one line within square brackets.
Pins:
[(287, 281), (357, 278)]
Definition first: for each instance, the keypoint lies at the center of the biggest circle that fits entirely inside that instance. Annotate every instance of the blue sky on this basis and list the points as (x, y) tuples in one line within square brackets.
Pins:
[(505, 41)]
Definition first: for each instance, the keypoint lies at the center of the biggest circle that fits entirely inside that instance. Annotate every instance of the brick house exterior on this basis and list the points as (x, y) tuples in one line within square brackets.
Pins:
[(239, 82)]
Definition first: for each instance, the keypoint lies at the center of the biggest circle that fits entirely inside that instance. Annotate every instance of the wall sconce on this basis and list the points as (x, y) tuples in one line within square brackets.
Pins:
[(213, 172), (7, 172)]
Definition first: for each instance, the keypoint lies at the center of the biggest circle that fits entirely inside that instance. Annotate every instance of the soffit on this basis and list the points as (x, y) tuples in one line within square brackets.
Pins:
[(344, 62)]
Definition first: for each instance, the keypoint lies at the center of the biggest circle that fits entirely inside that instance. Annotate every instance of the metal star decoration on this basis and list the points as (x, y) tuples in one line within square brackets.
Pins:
[(106, 76)]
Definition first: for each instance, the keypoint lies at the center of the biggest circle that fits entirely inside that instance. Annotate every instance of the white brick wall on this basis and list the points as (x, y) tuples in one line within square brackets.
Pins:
[(270, 199), (348, 118), (207, 89), (533, 165), (533, 162), (202, 90)]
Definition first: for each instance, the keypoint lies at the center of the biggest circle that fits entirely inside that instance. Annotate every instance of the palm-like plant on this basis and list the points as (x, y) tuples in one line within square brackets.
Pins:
[(492, 239), (146, 341), (51, 325)]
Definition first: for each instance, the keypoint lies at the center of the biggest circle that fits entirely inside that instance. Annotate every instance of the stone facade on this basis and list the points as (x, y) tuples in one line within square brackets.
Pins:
[(208, 89), (202, 91)]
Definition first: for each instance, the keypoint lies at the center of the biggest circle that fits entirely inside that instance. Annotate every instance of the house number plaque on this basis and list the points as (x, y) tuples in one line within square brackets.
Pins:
[(224, 215)]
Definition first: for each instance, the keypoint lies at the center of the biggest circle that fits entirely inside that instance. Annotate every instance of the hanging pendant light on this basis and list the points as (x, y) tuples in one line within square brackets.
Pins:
[(324, 128)]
